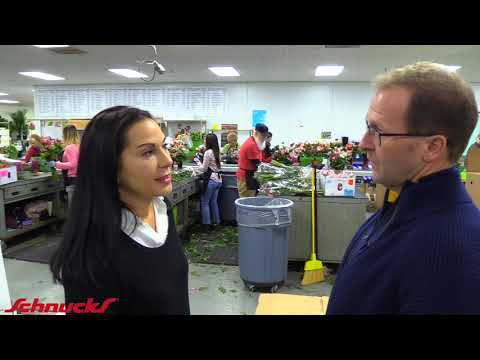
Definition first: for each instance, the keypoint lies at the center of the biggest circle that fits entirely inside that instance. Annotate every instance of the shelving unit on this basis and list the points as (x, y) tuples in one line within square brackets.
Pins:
[(30, 189), (80, 124), (171, 131)]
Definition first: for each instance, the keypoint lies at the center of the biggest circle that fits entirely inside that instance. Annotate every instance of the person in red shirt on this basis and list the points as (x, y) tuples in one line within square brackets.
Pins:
[(252, 152), (35, 148)]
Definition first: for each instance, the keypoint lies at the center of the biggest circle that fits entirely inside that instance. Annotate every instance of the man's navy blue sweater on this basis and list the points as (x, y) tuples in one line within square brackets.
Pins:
[(425, 260)]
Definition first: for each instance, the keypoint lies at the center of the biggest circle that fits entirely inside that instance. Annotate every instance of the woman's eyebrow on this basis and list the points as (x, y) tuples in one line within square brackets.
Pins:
[(146, 144)]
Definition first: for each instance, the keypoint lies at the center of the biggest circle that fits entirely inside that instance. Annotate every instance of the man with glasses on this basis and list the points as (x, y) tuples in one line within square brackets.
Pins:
[(420, 253)]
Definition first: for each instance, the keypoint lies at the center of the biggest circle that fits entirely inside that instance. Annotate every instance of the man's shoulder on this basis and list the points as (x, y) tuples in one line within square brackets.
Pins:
[(463, 216), (453, 229)]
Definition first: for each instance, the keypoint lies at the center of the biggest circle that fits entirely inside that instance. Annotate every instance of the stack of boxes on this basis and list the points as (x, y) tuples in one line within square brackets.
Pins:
[(473, 174), (4, 137)]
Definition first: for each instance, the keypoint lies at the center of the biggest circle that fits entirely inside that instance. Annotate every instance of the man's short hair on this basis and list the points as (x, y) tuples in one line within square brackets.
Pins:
[(261, 128), (441, 103)]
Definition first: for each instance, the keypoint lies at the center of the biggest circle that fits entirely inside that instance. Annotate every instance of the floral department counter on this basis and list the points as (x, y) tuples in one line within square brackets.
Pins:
[(31, 202)]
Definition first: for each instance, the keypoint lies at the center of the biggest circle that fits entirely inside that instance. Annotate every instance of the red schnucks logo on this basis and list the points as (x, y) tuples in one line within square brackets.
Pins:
[(22, 306)]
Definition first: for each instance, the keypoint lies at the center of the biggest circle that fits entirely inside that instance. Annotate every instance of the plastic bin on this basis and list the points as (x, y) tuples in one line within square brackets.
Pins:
[(226, 198), (263, 225)]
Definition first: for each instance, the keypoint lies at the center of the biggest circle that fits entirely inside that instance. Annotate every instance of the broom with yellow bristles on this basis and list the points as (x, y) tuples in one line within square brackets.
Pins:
[(314, 270)]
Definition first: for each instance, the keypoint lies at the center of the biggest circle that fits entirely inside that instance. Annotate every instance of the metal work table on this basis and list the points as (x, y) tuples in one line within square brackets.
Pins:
[(40, 185), (338, 219)]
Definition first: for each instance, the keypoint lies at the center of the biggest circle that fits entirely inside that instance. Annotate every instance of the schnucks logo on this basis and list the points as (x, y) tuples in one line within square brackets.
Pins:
[(24, 307)]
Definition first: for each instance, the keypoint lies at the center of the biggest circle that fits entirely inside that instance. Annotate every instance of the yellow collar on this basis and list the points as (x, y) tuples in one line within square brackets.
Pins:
[(392, 196)]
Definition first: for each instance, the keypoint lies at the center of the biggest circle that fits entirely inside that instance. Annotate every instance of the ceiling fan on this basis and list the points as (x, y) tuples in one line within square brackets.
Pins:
[(157, 67)]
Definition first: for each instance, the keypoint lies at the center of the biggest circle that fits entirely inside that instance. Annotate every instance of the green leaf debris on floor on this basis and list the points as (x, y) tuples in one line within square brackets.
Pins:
[(195, 273), (203, 288), (203, 244), (222, 289)]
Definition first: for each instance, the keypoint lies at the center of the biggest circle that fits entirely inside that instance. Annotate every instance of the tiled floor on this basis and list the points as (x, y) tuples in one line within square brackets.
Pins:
[(214, 289)]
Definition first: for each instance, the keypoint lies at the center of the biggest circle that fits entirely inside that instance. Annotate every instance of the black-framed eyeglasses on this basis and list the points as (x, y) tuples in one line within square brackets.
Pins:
[(371, 130)]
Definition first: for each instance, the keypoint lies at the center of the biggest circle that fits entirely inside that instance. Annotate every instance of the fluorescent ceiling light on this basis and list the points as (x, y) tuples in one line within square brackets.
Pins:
[(9, 101), (128, 73), (453, 68), (41, 75), (328, 70), (224, 71), (50, 46), (3, 94)]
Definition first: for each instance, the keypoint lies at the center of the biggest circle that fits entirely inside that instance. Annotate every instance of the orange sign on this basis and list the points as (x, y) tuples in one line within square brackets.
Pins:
[(80, 124)]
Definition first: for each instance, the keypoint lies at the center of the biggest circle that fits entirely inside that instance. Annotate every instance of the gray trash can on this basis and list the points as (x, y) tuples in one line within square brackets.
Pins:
[(263, 224), (226, 198)]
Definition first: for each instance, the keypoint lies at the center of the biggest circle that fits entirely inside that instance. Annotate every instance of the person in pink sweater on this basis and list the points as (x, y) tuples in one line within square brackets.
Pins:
[(71, 153), (70, 158)]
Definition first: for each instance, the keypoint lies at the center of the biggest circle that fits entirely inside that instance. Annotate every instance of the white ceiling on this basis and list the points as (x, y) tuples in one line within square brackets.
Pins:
[(189, 63)]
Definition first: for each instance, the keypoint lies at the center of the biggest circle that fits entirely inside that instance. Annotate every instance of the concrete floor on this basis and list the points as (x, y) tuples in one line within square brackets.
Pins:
[(214, 289)]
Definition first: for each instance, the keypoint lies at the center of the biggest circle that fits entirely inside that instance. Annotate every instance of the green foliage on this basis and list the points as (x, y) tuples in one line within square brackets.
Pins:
[(10, 151), (18, 125)]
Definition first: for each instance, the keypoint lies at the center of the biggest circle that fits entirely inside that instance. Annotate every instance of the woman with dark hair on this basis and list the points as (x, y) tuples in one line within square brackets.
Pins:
[(120, 239), (212, 183)]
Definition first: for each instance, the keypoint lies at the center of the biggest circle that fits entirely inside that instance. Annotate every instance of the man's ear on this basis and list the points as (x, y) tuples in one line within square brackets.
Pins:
[(435, 148)]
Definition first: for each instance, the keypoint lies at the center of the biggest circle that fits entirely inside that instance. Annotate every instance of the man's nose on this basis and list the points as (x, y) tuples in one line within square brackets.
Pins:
[(367, 142)]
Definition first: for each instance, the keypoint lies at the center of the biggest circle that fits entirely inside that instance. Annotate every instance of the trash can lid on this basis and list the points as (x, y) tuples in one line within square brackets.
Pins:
[(261, 202)]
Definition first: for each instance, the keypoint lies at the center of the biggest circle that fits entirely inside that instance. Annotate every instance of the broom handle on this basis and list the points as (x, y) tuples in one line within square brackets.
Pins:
[(313, 213)]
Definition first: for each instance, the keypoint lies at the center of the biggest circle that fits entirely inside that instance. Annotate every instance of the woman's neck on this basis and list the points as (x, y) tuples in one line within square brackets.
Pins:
[(141, 207)]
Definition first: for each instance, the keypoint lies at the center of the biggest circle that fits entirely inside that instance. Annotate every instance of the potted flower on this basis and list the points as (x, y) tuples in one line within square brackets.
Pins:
[(178, 152)]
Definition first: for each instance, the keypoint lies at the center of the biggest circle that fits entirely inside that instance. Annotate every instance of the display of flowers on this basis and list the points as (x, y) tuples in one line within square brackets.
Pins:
[(52, 148), (178, 150), (340, 157), (282, 154)]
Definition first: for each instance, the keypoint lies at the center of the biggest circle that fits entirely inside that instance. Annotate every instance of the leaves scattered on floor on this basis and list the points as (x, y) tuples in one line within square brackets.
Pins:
[(203, 244), (233, 290), (222, 289), (195, 273), (203, 288)]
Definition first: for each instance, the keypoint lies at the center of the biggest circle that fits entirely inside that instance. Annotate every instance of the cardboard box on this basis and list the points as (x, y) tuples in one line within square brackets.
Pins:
[(285, 304), (8, 175), (339, 184), (472, 159), (473, 187)]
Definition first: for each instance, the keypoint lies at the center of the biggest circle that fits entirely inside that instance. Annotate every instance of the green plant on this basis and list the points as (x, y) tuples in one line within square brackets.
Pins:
[(3, 122), (196, 136), (52, 153), (18, 126), (11, 152)]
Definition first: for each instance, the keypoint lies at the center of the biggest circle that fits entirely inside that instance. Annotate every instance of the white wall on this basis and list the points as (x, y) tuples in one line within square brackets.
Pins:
[(5, 110), (298, 111)]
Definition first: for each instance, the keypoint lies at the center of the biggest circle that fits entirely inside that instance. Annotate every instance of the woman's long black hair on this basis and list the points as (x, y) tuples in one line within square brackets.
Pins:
[(94, 222), (211, 142)]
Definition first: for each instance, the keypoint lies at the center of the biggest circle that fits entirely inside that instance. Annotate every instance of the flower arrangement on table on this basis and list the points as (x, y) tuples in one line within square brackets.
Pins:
[(10, 152), (282, 154), (178, 151), (52, 149), (339, 156)]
